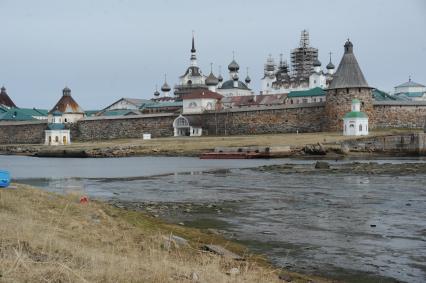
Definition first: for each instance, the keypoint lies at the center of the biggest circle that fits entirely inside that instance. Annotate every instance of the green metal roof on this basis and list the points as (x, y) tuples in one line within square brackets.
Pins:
[(56, 126), (90, 112), (304, 93), (412, 94), (380, 95), (32, 111), (15, 115), (357, 114), (3, 109)]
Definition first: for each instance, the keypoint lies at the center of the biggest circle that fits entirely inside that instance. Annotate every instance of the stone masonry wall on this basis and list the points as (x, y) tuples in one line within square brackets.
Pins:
[(388, 115), (22, 132), (262, 121), (123, 127), (281, 119)]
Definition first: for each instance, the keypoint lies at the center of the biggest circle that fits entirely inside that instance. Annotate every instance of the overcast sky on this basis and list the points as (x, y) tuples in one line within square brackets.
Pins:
[(108, 49)]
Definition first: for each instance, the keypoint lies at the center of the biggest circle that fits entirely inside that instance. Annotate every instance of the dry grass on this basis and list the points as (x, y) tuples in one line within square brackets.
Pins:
[(50, 238), (196, 145)]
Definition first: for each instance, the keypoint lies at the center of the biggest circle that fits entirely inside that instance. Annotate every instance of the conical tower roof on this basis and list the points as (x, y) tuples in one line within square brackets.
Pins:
[(67, 104), (348, 73), (5, 99)]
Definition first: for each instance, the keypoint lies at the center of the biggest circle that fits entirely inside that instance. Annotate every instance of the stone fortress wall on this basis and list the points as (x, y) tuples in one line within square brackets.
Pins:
[(280, 119), (24, 132)]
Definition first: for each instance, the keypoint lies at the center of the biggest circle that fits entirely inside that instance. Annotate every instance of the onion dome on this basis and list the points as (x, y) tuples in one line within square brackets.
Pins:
[(248, 79), (330, 66), (317, 63), (165, 87), (220, 78), (156, 93), (233, 66), (235, 77), (211, 80)]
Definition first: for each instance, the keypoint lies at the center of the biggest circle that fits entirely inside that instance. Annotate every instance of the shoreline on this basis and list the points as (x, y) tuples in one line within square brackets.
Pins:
[(179, 240), (157, 212), (304, 145)]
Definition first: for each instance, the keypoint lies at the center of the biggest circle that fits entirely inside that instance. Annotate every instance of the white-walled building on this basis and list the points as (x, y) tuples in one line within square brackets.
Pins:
[(200, 101), (355, 123), (71, 111), (56, 133), (187, 126), (126, 104), (411, 91)]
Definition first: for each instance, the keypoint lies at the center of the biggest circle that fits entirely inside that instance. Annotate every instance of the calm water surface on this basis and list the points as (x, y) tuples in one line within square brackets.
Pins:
[(361, 227)]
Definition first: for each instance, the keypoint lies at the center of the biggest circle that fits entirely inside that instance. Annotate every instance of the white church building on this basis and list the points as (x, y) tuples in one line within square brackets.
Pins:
[(355, 123), (56, 134)]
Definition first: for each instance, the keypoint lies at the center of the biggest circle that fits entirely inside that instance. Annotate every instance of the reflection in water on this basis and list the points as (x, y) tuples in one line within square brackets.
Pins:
[(319, 223)]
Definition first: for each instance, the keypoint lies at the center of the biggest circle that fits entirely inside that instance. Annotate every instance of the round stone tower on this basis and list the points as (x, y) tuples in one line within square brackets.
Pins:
[(348, 83)]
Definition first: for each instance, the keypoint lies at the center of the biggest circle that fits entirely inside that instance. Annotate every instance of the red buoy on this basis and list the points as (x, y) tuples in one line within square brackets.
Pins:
[(84, 199)]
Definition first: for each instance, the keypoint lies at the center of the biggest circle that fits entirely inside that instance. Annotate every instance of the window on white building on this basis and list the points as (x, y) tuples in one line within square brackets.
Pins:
[(192, 105), (360, 128)]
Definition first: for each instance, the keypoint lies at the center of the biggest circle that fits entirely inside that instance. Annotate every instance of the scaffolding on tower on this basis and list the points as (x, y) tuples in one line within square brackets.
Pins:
[(303, 58)]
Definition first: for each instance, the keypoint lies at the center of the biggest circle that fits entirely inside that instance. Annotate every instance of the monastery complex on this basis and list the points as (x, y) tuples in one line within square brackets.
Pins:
[(296, 97)]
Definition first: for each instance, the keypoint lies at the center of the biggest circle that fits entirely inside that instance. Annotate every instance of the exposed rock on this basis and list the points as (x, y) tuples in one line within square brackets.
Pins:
[(315, 149), (174, 242), (195, 277), (222, 251), (344, 148), (285, 277), (322, 165)]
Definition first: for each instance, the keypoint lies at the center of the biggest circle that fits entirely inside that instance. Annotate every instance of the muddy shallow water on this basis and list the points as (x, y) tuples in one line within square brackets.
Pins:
[(352, 226)]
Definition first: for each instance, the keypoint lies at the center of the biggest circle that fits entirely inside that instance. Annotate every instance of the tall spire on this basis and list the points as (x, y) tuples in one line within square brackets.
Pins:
[(193, 52), (193, 43)]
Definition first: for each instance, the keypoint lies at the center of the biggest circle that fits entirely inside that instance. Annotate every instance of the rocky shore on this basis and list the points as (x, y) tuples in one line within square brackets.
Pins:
[(100, 152), (370, 168)]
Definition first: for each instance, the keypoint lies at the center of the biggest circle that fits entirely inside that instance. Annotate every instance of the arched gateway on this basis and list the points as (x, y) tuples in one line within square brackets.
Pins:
[(187, 126)]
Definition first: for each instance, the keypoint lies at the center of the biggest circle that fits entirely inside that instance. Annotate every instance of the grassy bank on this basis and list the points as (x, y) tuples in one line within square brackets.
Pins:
[(46, 237)]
